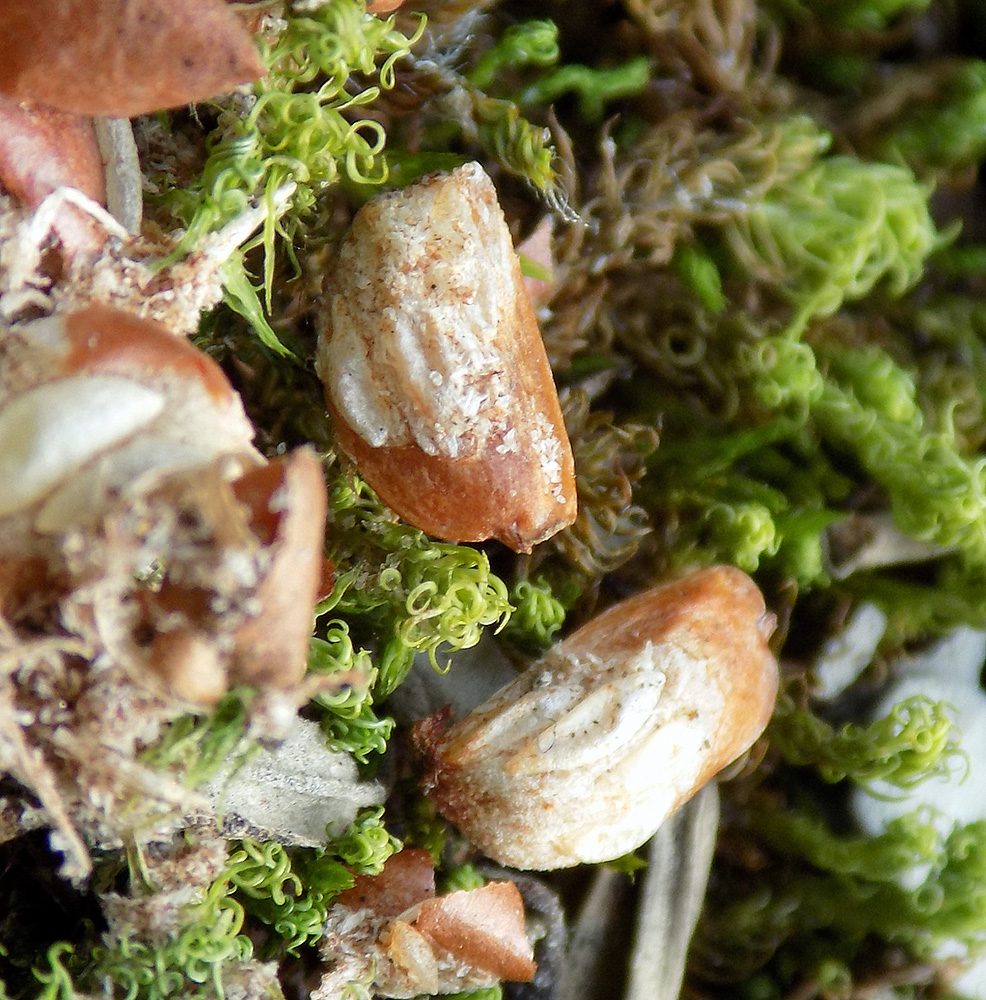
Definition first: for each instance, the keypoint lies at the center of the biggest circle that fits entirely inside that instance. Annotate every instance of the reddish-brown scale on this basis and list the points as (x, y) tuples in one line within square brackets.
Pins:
[(483, 928), (408, 878), (585, 754), (708, 614), (121, 58), (435, 373), (255, 490), (42, 149)]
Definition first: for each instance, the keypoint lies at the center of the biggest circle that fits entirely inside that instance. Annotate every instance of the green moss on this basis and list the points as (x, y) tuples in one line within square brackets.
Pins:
[(200, 745), (272, 891), (413, 594), (295, 130), (834, 232), (348, 718), (298, 134), (594, 88), (914, 741), (850, 15), (867, 408), (462, 877), (367, 844), (945, 132), (189, 963), (532, 43), (538, 615), (56, 981), (519, 146), (757, 498)]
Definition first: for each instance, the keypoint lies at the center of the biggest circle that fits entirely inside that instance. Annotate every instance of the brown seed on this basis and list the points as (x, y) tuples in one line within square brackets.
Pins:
[(584, 755), (435, 374), (120, 58), (42, 149), (408, 878), (110, 341)]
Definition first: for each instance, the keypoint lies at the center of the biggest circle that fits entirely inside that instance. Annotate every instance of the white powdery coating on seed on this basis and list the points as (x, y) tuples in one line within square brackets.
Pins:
[(547, 447), (419, 350)]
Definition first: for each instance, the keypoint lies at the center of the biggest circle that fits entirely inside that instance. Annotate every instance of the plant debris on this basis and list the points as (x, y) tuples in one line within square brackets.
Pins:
[(751, 234)]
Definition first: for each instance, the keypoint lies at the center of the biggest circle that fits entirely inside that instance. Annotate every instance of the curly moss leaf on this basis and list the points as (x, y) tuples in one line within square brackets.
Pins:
[(290, 892), (914, 741), (718, 523), (936, 494), (462, 877), (952, 371), (521, 148), (677, 175), (296, 134), (366, 845), (348, 718), (199, 746), (944, 133), (300, 129), (949, 907), (190, 963), (593, 87), (538, 615), (907, 843), (951, 596), (292, 899), (834, 232), (532, 43), (876, 381), (417, 594), (56, 982), (831, 897), (761, 496), (698, 272), (746, 530)]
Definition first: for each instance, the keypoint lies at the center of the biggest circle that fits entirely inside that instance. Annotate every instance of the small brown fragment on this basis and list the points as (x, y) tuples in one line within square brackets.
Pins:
[(407, 878), (121, 58), (483, 928), (191, 666), (435, 374), (42, 150), (391, 929), (584, 755)]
